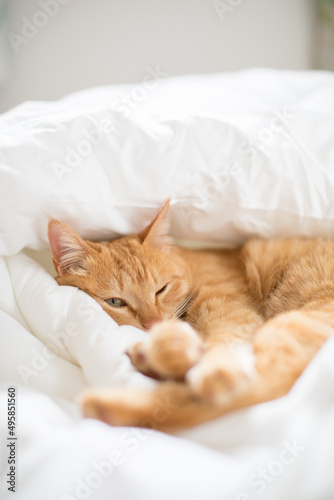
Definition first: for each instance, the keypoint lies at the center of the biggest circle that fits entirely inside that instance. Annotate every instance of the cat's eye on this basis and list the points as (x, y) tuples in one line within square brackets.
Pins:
[(114, 302), (161, 290)]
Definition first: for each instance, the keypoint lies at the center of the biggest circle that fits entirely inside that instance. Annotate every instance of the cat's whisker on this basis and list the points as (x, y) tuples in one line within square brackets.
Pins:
[(180, 307), (185, 304)]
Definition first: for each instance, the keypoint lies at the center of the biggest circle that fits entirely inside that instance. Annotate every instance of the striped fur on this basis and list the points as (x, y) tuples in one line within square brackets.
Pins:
[(252, 318)]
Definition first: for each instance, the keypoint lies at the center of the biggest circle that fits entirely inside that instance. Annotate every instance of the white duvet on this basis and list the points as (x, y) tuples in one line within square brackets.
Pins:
[(56, 341)]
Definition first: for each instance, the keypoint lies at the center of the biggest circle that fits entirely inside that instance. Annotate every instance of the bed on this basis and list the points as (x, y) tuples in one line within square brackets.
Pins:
[(239, 154)]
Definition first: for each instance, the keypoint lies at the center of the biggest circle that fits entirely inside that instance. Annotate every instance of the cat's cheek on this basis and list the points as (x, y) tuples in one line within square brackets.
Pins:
[(124, 317)]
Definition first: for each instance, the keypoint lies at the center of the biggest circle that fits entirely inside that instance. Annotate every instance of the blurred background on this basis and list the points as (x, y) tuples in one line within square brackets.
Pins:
[(49, 48)]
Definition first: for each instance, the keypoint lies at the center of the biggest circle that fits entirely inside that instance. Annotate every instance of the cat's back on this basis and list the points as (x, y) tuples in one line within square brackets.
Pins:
[(216, 268), (287, 269), (284, 267)]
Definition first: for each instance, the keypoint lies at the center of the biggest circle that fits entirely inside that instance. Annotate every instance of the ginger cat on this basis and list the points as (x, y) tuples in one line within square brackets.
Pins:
[(227, 328)]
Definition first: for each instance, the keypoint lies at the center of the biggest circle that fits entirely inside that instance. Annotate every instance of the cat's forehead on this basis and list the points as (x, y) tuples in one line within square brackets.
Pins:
[(132, 263)]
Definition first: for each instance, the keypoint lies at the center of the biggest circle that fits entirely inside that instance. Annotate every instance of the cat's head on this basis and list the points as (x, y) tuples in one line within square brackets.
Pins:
[(139, 280)]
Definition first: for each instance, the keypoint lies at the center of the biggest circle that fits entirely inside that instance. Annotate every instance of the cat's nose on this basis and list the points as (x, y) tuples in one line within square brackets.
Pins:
[(151, 322)]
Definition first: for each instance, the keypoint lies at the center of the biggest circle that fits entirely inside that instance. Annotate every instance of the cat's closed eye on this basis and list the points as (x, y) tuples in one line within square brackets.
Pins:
[(161, 290), (115, 302)]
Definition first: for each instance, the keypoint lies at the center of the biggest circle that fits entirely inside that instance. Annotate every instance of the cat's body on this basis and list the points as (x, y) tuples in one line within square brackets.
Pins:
[(252, 318)]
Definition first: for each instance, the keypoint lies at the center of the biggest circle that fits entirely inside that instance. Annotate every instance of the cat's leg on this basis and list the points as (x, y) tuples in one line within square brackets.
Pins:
[(227, 367), (283, 347), (170, 406), (171, 349), (174, 347), (173, 405), (223, 373)]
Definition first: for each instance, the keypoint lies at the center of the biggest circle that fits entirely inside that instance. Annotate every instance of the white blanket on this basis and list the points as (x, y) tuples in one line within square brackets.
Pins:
[(239, 154), (57, 340)]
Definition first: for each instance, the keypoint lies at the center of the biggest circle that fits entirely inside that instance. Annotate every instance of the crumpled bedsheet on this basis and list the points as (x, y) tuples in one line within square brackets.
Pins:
[(55, 341)]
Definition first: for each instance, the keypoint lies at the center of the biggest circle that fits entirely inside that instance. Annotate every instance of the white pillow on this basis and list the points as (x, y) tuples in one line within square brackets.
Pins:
[(247, 153)]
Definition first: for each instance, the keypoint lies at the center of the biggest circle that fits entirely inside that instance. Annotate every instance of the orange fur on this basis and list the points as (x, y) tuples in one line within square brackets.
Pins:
[(251, 318)]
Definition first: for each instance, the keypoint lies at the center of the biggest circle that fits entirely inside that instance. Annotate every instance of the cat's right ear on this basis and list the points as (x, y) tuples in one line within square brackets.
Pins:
[(156, 234), (69, 251)]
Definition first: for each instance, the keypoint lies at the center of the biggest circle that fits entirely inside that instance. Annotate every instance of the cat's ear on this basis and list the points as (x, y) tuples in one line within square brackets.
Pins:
[(69, 251), (156, 234)]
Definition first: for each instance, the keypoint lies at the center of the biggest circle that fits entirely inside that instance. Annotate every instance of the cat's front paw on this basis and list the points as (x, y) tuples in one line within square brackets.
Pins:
[(222, 374), (139, 359), (172, 348)]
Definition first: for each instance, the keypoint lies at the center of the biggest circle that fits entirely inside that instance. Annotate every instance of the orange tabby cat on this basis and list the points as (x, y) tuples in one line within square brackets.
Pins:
[(228, 328)]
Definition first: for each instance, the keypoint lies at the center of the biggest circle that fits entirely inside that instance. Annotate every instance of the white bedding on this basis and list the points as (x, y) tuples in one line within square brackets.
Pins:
[(61, 456), (240, 154), (55, 341)]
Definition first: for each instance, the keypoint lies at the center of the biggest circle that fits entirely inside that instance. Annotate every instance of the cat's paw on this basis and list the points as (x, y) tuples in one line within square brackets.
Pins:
[(116, 407), (172, 348), (139, 359), (163, 407), (222, 375)]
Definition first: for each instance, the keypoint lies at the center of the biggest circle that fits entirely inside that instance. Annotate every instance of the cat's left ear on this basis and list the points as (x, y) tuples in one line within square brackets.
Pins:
[(156, 234), (69, 251)]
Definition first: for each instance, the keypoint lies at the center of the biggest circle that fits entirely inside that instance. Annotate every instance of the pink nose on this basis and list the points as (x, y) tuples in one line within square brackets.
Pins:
[(150, 323)]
